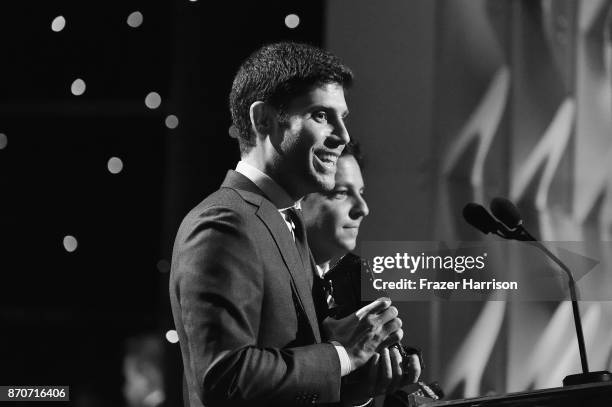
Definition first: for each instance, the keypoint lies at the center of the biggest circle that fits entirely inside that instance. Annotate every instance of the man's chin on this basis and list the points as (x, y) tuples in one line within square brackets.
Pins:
[(324, 183), (348, 245)]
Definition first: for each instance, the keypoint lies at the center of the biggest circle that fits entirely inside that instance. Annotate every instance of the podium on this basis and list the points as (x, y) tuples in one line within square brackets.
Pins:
[(585, 395)]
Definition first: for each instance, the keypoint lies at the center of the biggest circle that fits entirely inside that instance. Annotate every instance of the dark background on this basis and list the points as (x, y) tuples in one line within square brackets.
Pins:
[(424, 70), (65, 318)]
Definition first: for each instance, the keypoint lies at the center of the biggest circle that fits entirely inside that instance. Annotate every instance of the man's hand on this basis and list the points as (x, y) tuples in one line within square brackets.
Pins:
[(371, 329), (411, 370), (383, 374)]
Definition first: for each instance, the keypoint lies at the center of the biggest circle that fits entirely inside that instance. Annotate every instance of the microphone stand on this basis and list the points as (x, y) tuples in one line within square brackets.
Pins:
[(521, 234)]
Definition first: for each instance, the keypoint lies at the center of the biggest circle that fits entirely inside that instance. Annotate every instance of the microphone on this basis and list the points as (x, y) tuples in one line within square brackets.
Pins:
[(512, 228), (505, 211), (477, 216)]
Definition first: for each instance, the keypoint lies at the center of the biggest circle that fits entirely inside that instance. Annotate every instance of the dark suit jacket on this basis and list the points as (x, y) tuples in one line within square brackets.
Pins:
[(243, 307)]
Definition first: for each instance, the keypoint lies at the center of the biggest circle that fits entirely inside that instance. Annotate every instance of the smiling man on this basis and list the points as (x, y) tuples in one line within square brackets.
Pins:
[(332, 220), (242, 285), (333, 217)]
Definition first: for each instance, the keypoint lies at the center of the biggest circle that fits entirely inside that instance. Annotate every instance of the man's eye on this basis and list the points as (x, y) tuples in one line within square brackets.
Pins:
[(339, 194), (320, 116)]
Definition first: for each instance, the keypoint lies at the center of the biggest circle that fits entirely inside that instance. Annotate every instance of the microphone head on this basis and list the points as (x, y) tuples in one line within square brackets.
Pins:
[(477, 216), (506, 212)]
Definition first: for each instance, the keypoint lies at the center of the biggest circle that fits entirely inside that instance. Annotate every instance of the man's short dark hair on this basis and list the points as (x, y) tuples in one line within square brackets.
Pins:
[(276, 74)]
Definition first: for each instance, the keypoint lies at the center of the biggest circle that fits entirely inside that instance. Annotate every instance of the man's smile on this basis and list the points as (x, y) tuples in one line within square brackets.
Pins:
[(326, 160)]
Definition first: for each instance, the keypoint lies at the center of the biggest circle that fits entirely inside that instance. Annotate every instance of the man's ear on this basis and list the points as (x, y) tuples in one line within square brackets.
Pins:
[(262, 118)]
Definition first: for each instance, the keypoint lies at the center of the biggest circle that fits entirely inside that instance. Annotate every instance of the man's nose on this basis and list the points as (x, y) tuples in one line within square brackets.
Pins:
[(341, 133), (360, 208)]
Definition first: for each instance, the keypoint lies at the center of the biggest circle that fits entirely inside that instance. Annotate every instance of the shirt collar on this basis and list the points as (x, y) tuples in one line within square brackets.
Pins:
[(279, 197), (322, 268)]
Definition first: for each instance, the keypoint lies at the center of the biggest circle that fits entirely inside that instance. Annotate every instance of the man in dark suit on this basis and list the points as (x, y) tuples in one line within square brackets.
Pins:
[(243, 290)]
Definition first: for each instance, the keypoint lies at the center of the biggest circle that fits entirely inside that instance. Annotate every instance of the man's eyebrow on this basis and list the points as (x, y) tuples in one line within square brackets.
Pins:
[(328, 108)]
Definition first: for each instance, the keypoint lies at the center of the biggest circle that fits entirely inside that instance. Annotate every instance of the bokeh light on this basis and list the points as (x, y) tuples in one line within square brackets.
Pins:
[(115, 165), (153, 100), (58, 24), (78, 87), (70, 243), (292, 21), (134, 20), (172, 336), (3, 141), (172, 121)]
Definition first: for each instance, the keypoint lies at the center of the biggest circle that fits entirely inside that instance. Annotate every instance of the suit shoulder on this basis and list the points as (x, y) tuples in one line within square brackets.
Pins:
[(223, 199), (225, 208)]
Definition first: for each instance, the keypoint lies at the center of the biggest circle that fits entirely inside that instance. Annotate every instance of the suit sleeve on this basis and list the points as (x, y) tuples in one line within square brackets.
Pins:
[(219, 278)]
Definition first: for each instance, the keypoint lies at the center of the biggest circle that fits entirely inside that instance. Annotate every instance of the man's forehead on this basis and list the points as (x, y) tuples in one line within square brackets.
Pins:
[(348, 170), (327, 94)]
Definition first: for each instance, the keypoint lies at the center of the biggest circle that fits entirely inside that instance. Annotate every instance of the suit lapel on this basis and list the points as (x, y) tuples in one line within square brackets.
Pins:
[(270, 216)]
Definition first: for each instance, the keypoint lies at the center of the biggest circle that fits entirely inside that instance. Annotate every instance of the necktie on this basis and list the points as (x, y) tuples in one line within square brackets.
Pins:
[(299, 235), (295, 216), (317, 283)]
